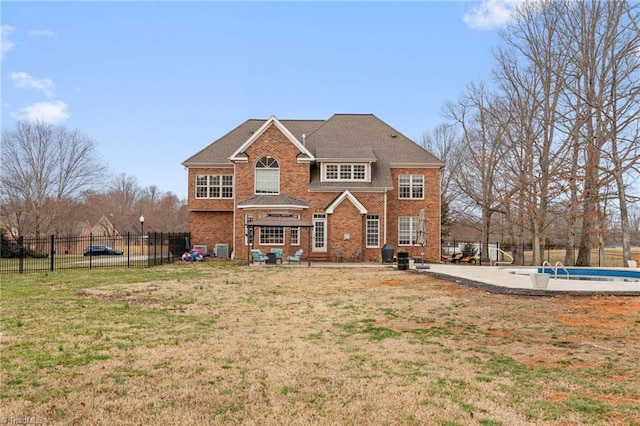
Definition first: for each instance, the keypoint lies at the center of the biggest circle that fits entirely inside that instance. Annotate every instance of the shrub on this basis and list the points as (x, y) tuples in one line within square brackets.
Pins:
[(469, 250), (9, 248)]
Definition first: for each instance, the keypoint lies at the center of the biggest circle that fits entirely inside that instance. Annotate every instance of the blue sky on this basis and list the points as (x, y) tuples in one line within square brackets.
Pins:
[(155, 82)]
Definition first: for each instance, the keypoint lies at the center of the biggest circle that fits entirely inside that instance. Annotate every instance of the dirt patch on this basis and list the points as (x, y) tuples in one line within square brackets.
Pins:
[(129, 296)]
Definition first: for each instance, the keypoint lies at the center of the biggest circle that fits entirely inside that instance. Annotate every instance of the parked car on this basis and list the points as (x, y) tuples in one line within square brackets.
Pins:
[(101, 250)]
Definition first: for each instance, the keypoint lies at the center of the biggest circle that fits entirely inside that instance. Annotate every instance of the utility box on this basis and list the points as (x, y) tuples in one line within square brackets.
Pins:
[(222, 250), (202, 248), (387, 253)]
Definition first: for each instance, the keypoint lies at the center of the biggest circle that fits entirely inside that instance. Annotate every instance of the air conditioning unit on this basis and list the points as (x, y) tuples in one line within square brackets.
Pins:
[(201, 248), (222, 250)]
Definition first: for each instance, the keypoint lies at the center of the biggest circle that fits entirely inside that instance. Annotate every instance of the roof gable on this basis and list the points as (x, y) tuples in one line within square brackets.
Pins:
[(238, 154), (346, 195)]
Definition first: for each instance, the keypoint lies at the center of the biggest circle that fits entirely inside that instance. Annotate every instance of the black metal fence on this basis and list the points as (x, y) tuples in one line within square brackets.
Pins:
[(51, 253)]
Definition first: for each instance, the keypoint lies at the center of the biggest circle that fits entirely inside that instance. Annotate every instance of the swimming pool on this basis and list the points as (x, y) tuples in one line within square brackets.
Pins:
[(581, 273)]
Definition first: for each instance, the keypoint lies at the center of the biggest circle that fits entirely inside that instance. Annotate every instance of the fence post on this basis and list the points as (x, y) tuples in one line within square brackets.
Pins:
[(128, 250), (52, 251), (21, 254)]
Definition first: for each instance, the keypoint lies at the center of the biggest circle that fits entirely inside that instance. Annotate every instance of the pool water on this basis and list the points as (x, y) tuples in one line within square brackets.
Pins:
[(588, 274)]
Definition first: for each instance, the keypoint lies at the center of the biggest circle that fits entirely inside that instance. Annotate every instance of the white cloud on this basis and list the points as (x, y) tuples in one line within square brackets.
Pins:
[(43, 33), (22, 80), (7, 44), (48, 112), (490, 14)]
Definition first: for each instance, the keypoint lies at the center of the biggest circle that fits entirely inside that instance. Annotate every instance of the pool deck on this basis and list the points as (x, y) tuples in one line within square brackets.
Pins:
[(496, 279)]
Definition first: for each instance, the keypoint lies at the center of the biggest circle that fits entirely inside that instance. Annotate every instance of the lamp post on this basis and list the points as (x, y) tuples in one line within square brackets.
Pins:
[(142, 237)]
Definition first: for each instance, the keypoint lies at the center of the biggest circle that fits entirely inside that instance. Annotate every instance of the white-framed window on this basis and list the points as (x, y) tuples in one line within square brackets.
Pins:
[(272, 235), (248, 230), (214, 186), (407, 226), (295, 236), (345, 172), (373, 230), (331, 172), (267, 176), (411, 187)]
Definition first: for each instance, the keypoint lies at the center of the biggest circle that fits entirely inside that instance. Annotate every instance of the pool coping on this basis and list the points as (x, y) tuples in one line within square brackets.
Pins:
[(520, 287)]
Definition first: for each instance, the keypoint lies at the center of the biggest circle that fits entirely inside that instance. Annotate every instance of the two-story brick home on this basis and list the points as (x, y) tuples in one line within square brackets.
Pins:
[(359, 182)]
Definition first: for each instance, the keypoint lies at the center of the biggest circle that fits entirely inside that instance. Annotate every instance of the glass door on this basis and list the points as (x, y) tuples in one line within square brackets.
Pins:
[(320, 232)]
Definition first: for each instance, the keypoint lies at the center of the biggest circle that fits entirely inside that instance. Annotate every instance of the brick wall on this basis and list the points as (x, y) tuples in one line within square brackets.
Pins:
[(211, 228), (430, 203)]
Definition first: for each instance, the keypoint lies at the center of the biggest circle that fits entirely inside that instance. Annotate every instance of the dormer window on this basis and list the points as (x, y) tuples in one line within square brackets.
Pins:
[(344, 172), (267, 176)]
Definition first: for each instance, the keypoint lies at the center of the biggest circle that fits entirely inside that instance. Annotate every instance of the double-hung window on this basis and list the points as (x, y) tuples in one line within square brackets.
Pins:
[(214, 186), (407, 227), (267, 176), (411, 187), (295, 236), (373, 230)]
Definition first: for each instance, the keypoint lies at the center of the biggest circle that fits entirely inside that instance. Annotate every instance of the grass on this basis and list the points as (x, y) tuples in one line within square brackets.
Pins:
[(612, 257), (219, 343)]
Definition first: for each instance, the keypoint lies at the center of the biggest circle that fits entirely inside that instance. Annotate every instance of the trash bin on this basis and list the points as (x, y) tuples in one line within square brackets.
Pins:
[(403, 261), (271, 259), (387, 253)]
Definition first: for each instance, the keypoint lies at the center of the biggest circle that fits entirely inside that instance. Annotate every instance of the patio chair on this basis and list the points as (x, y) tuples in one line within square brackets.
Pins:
[(278, 253), (338, 252), (259, 256), (356, 255), (297, 257)]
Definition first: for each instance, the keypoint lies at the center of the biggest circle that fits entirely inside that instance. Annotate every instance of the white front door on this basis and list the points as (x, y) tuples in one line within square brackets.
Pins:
[(320, 232)]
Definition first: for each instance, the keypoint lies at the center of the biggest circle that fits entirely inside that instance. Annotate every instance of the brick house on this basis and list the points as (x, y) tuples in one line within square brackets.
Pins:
[(358, 181)]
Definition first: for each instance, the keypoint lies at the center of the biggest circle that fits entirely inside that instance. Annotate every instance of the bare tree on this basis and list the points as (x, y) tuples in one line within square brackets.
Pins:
[(483, 143), (601, 43), (445, 142), (169, 213), (42, 166), (529, 76), (621, 108), (124, 209)]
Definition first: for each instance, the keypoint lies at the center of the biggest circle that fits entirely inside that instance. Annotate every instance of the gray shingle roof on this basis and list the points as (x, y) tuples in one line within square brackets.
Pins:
[(349, 134), (218, 152), (273, 200), (351, 137)]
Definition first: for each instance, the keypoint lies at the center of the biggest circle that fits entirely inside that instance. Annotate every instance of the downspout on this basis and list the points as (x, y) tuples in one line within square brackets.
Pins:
[(440, 218), (235, 251), (385, 216)]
